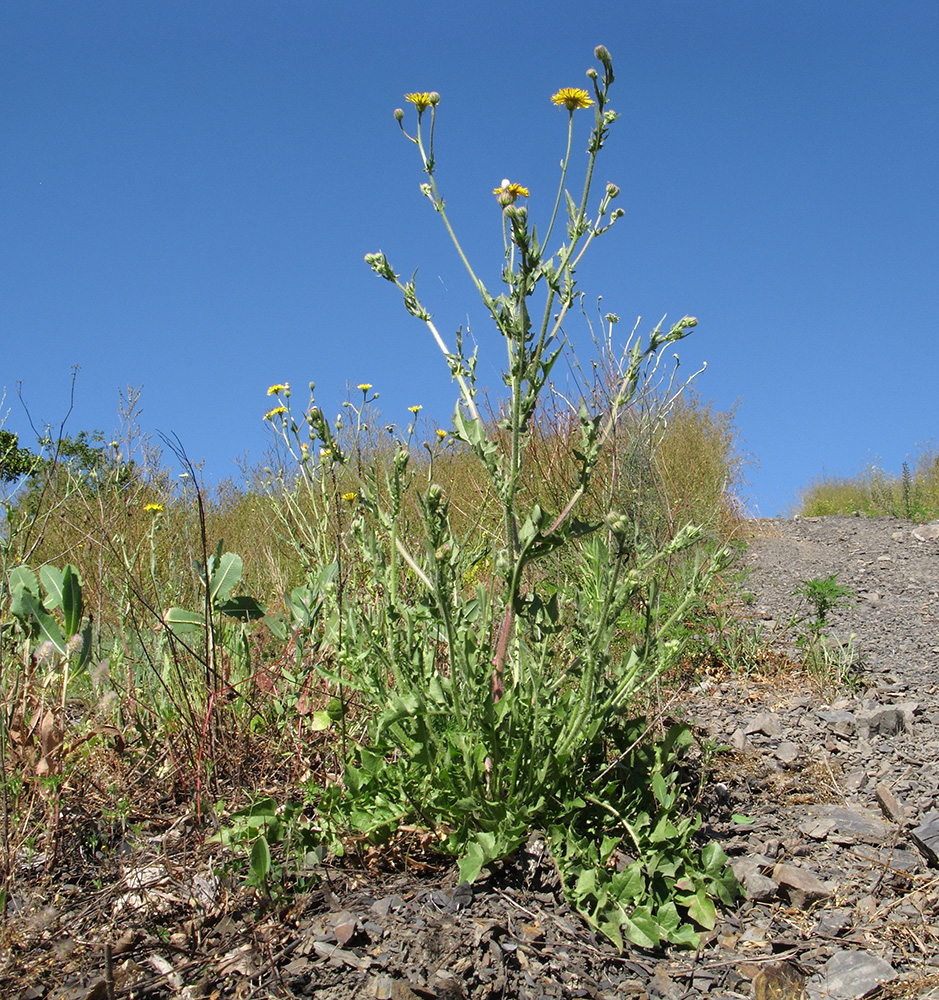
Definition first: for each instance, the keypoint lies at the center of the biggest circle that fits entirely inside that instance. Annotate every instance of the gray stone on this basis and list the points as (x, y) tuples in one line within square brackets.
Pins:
[(787, 752), (760, 888), (889, 804), (861, 824), (833, 922), (879, 722), (817, 829), (926, 838), (739, 740), (926, 532), (766, 723), (800, 885), (839, 721), (848, 975)]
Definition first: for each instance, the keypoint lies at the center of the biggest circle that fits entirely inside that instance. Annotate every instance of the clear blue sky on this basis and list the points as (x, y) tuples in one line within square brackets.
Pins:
[(187, 190)]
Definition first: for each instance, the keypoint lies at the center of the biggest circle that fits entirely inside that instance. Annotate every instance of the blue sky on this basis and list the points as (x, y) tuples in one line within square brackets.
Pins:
[(187, 190)]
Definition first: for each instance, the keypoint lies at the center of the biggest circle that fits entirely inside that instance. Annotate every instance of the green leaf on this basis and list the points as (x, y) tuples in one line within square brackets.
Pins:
[(23, 578), (225, 576), (72, 607), (320, 722), (685, 936), (702, 911), (51, 577), (642, 929), (713, 858), (182, 622), (48, 628), (243, 608), (479, 852), (265, 808), (261, 859), (742, 820)]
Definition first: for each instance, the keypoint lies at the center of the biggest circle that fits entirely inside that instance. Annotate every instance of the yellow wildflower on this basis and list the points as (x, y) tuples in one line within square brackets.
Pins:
[(571, 98), (415, 409), (155, 507), (508, 193), (441, 433), (421, 101), (275, 412), (364, 386), (349, 497), (278, 387)]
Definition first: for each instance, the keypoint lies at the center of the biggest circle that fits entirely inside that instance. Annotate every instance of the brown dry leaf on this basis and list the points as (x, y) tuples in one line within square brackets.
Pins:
[(50, 742)]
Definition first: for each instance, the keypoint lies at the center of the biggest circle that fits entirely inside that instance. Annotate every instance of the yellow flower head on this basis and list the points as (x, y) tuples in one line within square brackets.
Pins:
[(415, 409), (571, 98), (441, 433), (349, 497), (508, 193), (422, 101), (278, 388), (155, 507), (275, 412), (364, 386)]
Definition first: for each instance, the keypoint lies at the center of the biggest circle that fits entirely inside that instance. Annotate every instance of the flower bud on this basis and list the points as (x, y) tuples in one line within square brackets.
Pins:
[(592, 73), (399, 115), (433, 98), (602, 53), (612, 191)]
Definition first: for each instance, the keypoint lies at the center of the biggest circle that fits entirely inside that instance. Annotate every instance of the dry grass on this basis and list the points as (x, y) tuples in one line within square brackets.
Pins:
[(913, 495)]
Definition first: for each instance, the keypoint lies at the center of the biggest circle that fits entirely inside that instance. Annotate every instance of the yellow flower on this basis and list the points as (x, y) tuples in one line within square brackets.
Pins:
[(275, 412), (348, 497), (278, 387), (421, 101), (571, 98), (441, 433), (364, 386), (509, 193), (155, 507), (415, 409)]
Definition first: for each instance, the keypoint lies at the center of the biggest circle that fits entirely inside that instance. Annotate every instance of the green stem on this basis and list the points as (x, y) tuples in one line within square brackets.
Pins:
[(567, 160)]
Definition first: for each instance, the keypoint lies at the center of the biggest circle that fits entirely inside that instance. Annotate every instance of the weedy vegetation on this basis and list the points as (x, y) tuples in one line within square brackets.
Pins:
[(390, 637), (913, 495)]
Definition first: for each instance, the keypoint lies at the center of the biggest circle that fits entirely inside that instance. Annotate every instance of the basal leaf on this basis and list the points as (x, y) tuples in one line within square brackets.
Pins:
[(261, 859), (642, 929), (702, 911), (51, 577), (225, 576)]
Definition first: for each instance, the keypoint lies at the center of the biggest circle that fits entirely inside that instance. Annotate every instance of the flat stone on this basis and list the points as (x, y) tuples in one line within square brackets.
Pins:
[(833, 922), (879, 722), (926, 532), (926, 838), (787, 752), (862, 824), (838, 721), (817, 829), (766, 723), (760, 888), (848, 975), (800, 885), (889, 804)]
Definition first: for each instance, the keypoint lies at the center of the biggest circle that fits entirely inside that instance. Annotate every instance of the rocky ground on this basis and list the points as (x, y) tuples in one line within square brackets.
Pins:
[(823, 788)]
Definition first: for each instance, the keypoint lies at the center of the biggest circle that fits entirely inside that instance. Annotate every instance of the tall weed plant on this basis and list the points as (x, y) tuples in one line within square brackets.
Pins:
[(497, 667)]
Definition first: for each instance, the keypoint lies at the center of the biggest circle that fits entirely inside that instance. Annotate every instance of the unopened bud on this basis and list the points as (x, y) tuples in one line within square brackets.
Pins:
[(433, 98), (592, 73), (399, 115), (612, 191), (603, 54)]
